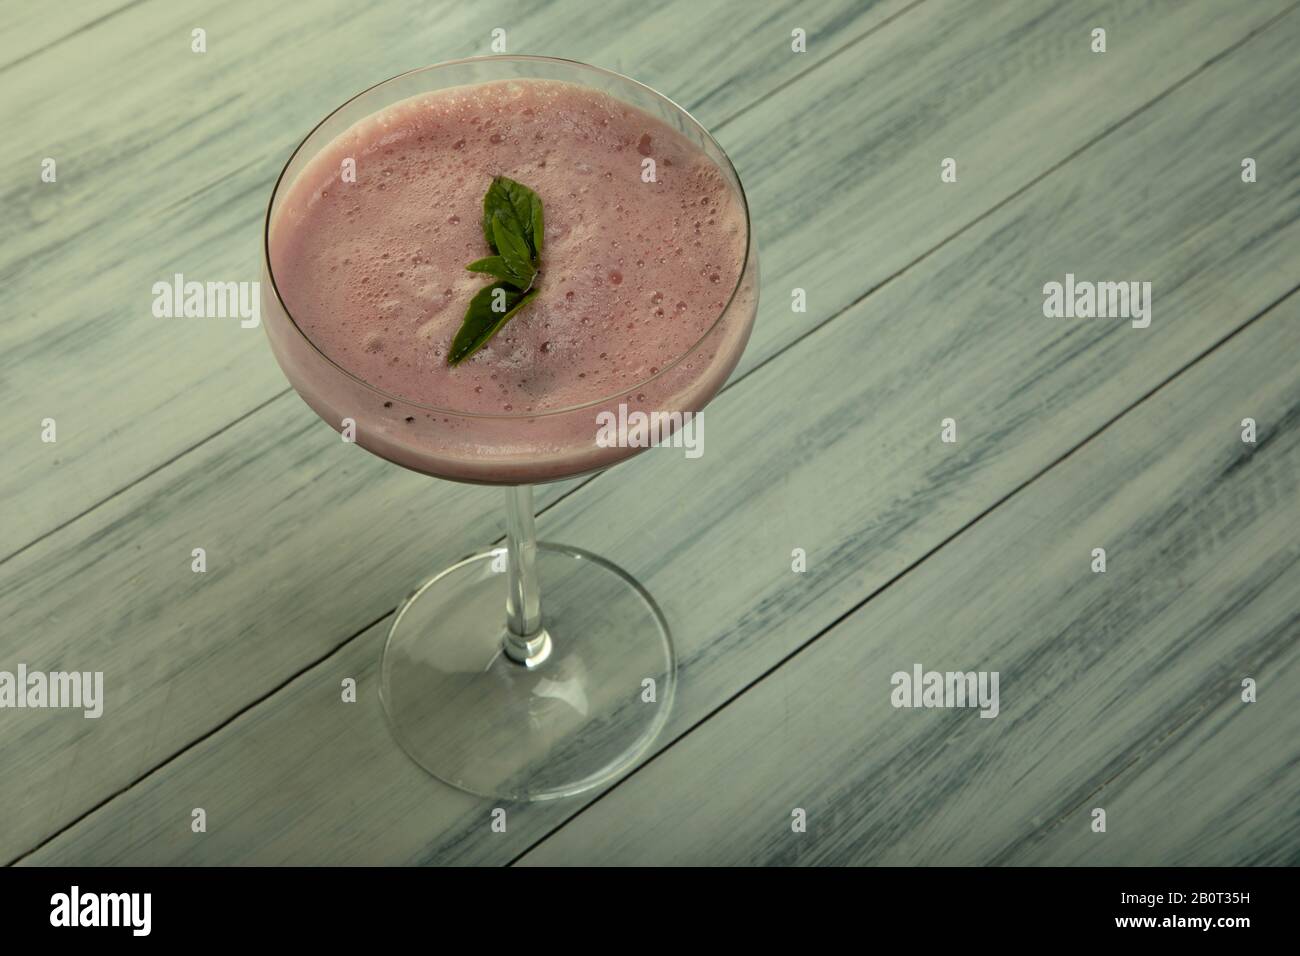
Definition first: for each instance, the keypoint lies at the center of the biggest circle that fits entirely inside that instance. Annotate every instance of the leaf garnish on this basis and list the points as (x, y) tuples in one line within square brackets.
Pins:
[(514, 251), (490, 309), (514, 228), (519, 206)]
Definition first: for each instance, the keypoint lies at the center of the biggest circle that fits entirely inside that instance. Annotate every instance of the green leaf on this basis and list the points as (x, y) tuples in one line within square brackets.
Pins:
[(496, 266), (514, 229), (539, 229), (482, 321), (521, 208), (513, 248)]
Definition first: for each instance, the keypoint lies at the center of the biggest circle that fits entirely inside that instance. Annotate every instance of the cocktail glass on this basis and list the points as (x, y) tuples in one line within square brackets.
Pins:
[(533, 670)]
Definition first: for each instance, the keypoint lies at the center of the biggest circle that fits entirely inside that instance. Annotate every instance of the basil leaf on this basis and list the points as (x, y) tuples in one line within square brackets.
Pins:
[(496, 266), (514, 229), (482, 321), (538, 229), (514, 249), (520, 207)]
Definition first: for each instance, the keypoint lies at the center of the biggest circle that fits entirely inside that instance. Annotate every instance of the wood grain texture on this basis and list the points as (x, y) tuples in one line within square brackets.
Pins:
[(168, 159), (169, 635), (31, 29), (1096, 670), (853, 472), (1225, 787)]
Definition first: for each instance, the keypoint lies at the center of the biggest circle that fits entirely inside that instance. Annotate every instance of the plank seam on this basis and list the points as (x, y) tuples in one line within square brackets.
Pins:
[(820, 63), (66, 37), (194, 743), (147, 475)]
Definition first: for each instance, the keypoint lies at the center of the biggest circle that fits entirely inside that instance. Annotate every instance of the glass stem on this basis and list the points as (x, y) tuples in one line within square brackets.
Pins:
[(526, 642)]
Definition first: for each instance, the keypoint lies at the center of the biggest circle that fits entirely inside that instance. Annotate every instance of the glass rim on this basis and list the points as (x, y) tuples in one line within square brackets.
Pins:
[(392, 396)]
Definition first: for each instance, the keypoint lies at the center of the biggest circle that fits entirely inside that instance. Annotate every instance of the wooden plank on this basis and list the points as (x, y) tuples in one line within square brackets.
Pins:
[(31, 28), (1095, 669), (860, 144), (267, 606), (852, 471), (1228, 781), (167, 159)]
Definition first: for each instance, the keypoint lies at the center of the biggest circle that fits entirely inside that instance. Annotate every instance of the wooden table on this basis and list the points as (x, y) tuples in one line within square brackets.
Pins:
[(1120, 691)]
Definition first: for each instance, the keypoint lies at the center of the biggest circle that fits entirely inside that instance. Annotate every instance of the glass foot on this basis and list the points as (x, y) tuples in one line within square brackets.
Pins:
[(575, 717)]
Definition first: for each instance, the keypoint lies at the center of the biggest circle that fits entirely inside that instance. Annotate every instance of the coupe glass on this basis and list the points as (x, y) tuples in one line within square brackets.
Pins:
[(534, 670)]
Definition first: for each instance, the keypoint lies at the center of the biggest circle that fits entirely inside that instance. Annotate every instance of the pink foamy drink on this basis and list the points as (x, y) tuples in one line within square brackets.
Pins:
[(646, 242)]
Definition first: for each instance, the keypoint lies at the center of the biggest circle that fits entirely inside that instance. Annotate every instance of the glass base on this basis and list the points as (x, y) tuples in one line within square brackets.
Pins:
[(577, 718)]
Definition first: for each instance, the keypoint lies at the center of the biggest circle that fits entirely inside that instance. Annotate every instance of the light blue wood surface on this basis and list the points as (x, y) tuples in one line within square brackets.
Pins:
[(223, 687)]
